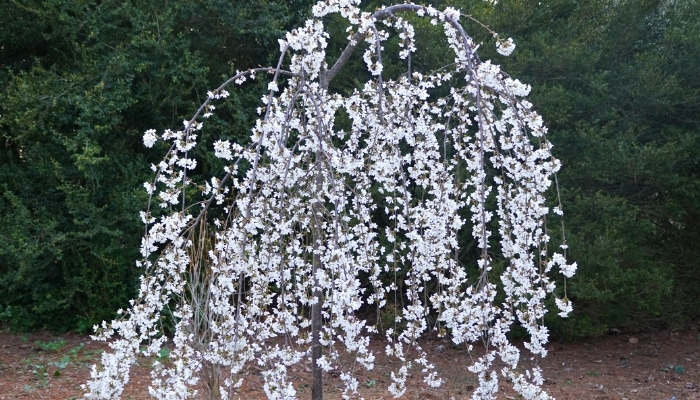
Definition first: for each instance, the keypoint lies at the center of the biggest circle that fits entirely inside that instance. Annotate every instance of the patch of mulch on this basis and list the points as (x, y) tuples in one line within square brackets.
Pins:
[(658, 366)]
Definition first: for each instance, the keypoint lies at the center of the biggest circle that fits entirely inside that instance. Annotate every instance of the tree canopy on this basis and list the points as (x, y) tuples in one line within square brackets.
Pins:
[(297, 236)]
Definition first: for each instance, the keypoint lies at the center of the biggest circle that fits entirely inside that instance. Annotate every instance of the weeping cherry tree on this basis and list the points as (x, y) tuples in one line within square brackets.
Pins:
[(276, 260)]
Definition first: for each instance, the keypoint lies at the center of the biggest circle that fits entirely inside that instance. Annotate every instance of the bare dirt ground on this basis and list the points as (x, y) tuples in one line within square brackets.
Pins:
[(659, 366)]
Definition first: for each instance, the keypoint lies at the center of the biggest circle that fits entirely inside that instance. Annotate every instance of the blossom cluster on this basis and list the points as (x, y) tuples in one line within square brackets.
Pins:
[(317, 212)]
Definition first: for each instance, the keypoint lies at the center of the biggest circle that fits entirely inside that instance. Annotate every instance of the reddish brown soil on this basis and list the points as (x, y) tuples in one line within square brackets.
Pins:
[(657, 366)]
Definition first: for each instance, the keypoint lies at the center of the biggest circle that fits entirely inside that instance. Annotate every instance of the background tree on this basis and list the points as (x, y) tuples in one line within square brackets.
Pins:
[(80, 82), (620, 93)]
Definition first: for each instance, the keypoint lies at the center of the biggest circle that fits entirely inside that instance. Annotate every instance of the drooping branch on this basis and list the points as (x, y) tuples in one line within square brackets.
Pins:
[(361, 34)]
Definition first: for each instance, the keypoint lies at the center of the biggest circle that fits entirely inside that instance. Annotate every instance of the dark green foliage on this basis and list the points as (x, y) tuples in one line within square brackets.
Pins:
[(80, 82), (618, 84)]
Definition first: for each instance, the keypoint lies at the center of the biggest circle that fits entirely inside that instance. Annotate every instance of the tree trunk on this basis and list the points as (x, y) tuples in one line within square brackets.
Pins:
[(316, 317), (316, 320)]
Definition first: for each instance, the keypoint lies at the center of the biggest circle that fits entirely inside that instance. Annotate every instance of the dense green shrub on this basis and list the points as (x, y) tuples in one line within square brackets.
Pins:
[(80, 82), (619, 88)]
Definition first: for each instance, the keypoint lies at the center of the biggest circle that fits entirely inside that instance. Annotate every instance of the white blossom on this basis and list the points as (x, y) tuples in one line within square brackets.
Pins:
[(564, 306), (150, 138), (222, 149), (505, 47)]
